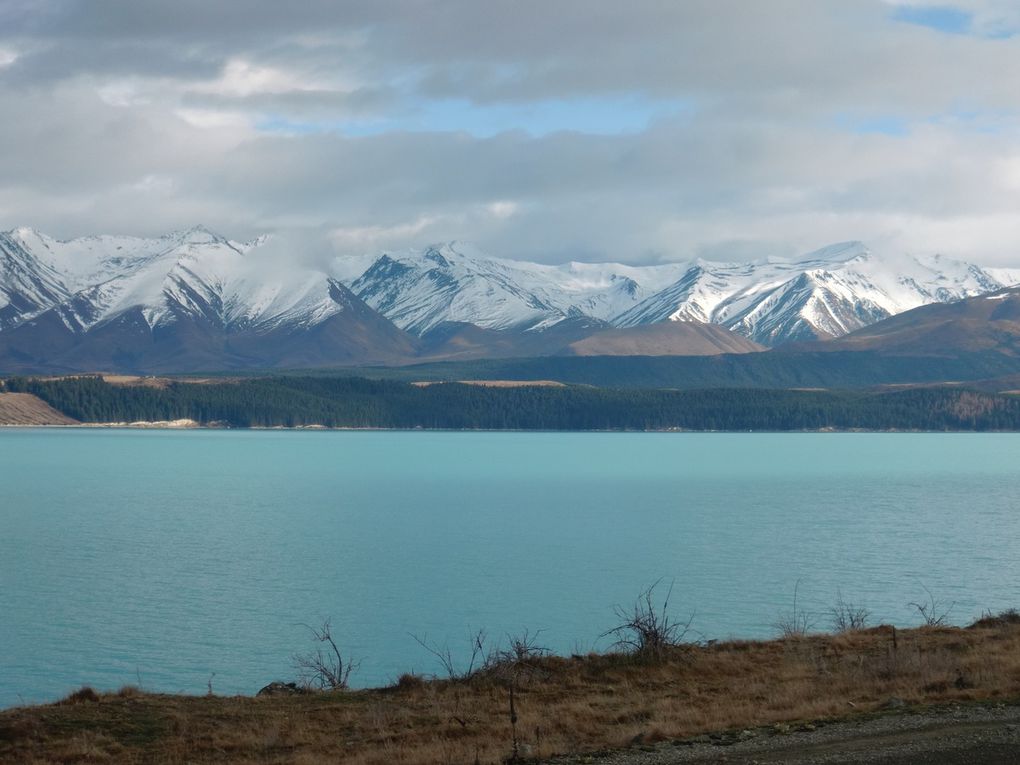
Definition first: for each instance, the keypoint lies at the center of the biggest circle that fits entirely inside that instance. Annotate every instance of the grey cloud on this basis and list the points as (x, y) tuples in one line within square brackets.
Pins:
[(762, 161), (819, 50), (53, 63), (303, 104), (224, 22), (69, 141)]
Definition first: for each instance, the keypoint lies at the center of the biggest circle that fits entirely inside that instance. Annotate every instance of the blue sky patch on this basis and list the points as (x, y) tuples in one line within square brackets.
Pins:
[(943, 18), (882, 124)]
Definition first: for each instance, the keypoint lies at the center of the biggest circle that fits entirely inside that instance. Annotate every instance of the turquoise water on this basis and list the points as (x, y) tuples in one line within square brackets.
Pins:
[(174, 559)]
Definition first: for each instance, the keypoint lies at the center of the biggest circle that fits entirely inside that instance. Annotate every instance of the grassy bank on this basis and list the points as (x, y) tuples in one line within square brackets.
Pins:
[(563, 705)]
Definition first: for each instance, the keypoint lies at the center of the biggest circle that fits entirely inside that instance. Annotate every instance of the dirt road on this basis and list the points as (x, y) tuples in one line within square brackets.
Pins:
[(963, 734)]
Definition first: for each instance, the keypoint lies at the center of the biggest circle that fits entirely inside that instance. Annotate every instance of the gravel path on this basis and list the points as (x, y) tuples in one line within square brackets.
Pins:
[(959, 734)]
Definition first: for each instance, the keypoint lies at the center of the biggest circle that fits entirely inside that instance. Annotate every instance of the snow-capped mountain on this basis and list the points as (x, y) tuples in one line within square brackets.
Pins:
[(193, 273), (219, 303), (231, 303), (27, 285), (419, 290), (826, 293)]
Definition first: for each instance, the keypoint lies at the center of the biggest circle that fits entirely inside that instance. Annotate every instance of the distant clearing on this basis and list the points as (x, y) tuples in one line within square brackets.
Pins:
[(136, 380), (26, 409), (668, 338), (162, 382), (496, 383)]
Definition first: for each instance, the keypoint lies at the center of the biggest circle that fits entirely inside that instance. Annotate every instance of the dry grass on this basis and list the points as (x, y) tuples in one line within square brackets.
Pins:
[(571, 705)]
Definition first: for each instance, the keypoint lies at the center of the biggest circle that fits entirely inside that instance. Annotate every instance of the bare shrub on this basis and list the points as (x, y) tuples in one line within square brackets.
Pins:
[(410, 682), (796, 622), (514, 665), (934, 611), (522, 651), (847, 616), (480, 655), (647, 631), (326, 667), (84, 695), (1001, 619), (510, 667)]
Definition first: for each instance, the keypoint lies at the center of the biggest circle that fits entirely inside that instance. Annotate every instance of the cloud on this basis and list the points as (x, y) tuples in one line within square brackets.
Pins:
[(550, 131)]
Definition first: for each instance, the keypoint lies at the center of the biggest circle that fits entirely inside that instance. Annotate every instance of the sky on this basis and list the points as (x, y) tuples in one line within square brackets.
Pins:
[(548, 130)]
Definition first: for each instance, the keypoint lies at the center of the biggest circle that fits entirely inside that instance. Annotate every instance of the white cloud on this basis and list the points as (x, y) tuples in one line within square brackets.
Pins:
[(502, 209), (216, 119), (361, 239), (242, 78)]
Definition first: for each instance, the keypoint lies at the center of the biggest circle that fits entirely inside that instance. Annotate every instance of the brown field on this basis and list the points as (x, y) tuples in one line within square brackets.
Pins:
[(575, 705), (141, 381), (497, 383), (162, 382), (26, 409), (136, 381)]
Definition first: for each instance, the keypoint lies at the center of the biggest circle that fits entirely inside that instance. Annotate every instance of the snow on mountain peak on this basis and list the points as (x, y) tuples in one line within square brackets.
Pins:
[(196, 235), (194, 272), (258, 241), (24, 232), (827, 292)]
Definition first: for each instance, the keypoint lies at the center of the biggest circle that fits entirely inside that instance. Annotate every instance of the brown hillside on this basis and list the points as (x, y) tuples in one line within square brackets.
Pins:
[(26, 409), (668, 338), (983, 323)]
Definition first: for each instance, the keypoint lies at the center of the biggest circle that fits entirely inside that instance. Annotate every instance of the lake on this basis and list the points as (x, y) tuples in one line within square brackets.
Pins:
[(174, 560)]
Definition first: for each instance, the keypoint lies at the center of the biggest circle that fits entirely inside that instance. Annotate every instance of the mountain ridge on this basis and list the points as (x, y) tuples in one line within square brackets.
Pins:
[(131, 299)]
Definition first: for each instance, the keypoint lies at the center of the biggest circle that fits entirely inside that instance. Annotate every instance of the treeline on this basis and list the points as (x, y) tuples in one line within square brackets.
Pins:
[(362, 403)]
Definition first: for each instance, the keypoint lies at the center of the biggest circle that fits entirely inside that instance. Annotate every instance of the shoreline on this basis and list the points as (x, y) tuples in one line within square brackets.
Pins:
[(192, 425)]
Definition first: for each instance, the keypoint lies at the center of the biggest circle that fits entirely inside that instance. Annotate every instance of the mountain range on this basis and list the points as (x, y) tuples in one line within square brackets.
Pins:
[(195, 300)]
